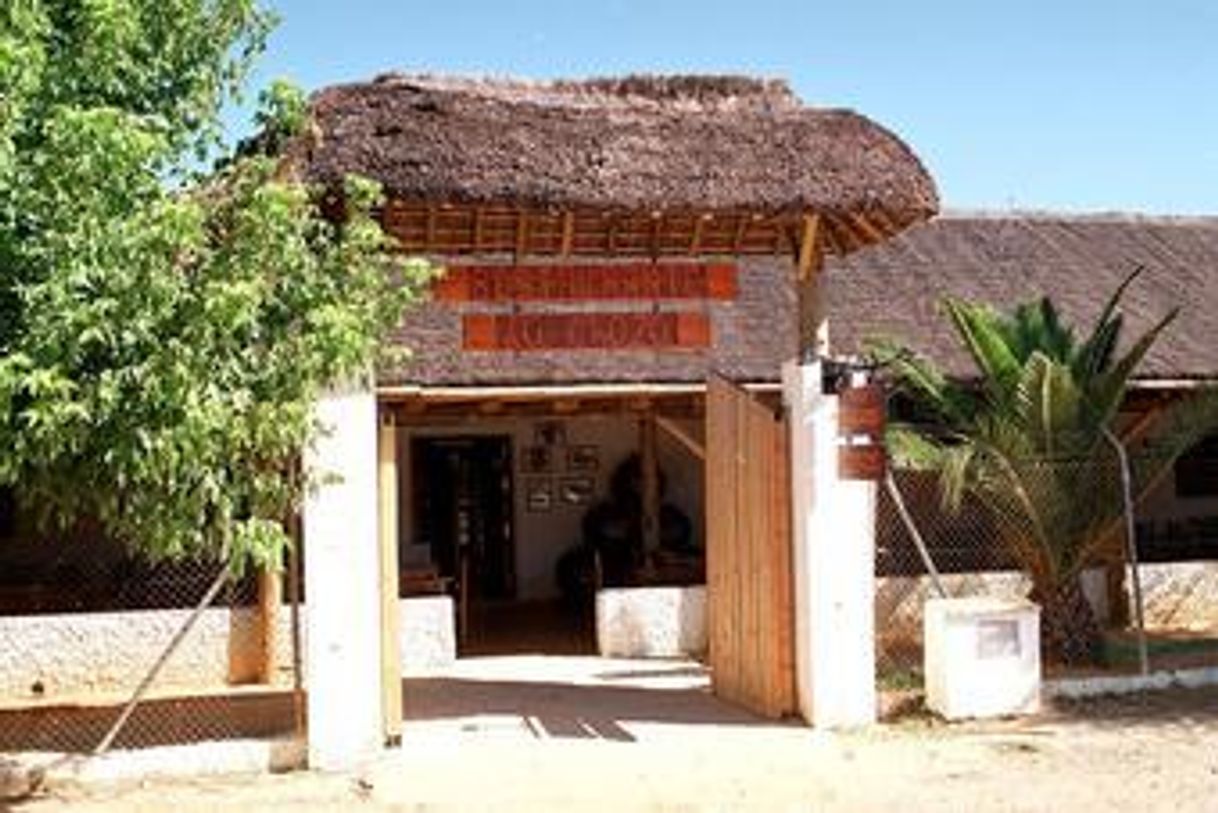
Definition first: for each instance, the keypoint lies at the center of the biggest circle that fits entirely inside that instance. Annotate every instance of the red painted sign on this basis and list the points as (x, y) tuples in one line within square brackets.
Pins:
[(567, 283), (586, 331)]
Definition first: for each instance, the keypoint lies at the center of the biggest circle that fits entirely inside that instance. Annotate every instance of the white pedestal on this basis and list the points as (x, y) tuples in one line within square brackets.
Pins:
[(833, 528), (982, 657), (342, 586), (651, 622)]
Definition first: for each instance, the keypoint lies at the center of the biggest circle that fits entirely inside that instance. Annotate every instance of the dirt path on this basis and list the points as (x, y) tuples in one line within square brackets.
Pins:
[(507, 742)]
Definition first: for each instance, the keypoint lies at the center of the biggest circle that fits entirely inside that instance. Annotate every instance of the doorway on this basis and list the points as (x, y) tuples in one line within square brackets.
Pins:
[(463, 501)]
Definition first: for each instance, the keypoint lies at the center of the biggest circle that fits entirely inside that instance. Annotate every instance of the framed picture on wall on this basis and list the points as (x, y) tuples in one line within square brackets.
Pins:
[(550, 433), (575, 490), (539, 494), (583, 458), (537, 460)]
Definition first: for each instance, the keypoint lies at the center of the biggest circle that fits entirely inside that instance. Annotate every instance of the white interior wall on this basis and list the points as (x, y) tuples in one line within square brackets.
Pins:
[(542, 537)]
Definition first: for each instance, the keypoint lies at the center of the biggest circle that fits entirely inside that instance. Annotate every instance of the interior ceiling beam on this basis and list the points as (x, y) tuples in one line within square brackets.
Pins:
[(454, 229)]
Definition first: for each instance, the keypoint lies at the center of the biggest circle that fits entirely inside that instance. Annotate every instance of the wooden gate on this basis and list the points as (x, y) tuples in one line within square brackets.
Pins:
[(748, 552)]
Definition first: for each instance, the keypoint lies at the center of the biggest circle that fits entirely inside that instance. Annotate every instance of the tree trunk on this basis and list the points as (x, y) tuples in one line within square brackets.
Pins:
[(1069, 632)]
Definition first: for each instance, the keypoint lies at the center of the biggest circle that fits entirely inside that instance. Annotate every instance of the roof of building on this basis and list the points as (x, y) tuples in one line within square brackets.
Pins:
[(637, 143), (894, 289)]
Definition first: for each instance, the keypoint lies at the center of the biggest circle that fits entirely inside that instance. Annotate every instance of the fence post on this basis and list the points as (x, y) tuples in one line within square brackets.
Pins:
[(833, 535)]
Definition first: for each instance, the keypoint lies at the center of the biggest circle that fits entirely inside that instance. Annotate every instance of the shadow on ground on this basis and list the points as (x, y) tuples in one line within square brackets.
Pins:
[(1182, 708), (551, 709), (162, 721)]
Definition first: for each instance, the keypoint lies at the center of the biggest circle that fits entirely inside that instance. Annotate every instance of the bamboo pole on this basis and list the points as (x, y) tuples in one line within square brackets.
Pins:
[(221, 579)]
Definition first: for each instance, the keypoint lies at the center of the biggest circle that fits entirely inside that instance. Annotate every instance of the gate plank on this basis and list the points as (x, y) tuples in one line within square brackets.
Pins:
[(748, 543)]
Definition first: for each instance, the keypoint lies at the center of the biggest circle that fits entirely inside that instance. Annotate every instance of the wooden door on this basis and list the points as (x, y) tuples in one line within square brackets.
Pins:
[(750, 613)]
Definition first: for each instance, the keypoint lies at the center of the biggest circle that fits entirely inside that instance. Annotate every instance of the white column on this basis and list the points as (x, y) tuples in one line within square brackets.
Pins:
[(834, 561), (342, 583)]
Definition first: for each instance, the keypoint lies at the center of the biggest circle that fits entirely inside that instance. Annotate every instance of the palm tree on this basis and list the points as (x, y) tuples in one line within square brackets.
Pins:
[(1032, 438)]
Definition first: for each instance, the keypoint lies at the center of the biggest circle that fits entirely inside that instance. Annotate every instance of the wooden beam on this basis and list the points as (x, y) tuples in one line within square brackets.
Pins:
[(829, 236), (270, 600), (568, 233), (522, 234), (869, 229), (387, 520), (649, 463), (1134, 432), (678, 433), (742, 226), (430, 236), (695, 243), (477, 228), (809, 246), (809, 287)]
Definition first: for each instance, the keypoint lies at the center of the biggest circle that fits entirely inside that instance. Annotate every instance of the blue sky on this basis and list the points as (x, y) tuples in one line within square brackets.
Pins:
[(1068, 105)]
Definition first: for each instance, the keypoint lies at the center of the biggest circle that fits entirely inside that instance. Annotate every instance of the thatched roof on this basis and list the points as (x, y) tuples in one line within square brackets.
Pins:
[(1078, 261), (639, 143), (894, 289)]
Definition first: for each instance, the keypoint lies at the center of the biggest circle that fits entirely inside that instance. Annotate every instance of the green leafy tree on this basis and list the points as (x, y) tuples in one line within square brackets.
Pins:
[(1032, 437), (162, 337)]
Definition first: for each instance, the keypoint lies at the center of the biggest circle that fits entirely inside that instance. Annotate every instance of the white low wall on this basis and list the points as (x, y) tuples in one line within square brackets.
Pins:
[(899, 599), (1181, 595), (651, 622), (87, 653), (82, 654), (1176, 596)]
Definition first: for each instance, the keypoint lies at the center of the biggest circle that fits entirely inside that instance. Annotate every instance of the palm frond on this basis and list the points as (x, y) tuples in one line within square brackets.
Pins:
[(1095, 354), (1106, 391), (978, 330)]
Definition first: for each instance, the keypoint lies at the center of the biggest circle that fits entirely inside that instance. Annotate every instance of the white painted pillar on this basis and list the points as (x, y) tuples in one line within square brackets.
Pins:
[(834, 562), (342, 583)]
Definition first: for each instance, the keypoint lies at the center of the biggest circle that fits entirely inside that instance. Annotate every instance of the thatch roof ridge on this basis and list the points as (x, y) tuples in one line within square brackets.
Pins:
[(639, 142), (1113, 216), (693, 92)]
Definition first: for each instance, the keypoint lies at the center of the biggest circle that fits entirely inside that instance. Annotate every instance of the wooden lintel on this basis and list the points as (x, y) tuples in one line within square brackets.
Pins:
[(492, 407), (639, 404), (678, 433), (566, 406), (568, 233), (809, 246)]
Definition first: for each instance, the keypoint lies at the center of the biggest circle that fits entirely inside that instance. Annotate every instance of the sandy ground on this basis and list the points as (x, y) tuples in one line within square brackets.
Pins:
[(523, 734)]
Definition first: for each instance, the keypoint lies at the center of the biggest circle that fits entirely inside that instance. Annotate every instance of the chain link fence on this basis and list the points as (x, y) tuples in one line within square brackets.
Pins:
[(83, 623), (981, 550)]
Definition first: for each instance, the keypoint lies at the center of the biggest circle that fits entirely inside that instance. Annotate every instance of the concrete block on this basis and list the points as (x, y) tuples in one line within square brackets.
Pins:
[(651, 622), (982, 657), (427, 633)]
